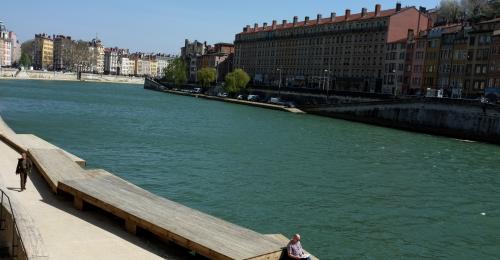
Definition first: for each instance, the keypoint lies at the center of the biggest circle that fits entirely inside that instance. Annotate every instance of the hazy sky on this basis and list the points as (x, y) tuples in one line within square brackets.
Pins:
[(162, 25)]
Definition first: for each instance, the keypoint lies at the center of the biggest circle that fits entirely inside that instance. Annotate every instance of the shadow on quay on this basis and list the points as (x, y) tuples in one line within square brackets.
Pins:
[(108, 222)]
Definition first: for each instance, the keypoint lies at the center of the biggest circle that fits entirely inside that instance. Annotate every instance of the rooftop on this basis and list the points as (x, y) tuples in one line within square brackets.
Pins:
[(363, 15)]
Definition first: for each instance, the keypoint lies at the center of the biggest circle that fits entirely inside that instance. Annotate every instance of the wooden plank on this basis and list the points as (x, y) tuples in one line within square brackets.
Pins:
[(25, 142), (192, 229), (55, 165)]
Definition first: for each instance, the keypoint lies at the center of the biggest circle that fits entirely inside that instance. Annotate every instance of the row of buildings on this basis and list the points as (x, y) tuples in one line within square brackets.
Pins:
[(198, 55), (10, 48), (61, 53), (394, 51)]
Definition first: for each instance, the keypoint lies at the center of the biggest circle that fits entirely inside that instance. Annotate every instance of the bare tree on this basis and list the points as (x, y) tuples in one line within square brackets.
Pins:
[(451, 10), (475, 9)]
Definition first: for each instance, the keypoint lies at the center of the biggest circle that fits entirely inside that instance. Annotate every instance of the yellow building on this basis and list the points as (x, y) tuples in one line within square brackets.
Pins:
[(153, 67), (43, 52)]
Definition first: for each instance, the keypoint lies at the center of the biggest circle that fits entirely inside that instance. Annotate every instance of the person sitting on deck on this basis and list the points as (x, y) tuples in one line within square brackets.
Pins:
[(294, 249)]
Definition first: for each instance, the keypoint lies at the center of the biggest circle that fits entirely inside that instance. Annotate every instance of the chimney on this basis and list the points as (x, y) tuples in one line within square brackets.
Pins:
[(274, 24), (248, 28), (306, 20), (318, 18), (284, 22), (333, 15), (378, 7), (347, 13), (264, 26), (398, 7), (255, 26), (295, 20), (363, 12)]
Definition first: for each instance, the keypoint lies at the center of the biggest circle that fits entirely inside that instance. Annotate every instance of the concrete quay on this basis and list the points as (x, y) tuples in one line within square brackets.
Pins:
[(152, 85), (69, 212), (13, 74)]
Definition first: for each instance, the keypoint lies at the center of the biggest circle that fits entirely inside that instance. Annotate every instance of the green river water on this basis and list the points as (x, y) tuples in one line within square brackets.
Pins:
[(351, 190)]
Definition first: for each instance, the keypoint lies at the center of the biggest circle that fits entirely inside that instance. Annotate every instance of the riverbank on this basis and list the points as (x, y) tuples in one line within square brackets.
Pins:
[(152, 85), (15, 74)]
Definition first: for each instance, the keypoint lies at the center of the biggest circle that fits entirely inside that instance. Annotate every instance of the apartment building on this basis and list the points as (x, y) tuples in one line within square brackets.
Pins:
[(494, 73), (219, 57), (62, 51), (96, 48), (348, 51), (43, 52)]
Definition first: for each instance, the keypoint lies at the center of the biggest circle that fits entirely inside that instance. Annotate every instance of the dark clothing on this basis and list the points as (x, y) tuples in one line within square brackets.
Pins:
[(23, 168)]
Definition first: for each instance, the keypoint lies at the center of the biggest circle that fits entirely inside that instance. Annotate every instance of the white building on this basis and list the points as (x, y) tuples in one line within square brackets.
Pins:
[(126, 66), (5, 46), (110, 60), (163, 61)]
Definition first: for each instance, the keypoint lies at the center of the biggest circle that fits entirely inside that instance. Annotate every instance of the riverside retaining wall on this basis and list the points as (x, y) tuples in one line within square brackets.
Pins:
[(454, 118), (67, 76)]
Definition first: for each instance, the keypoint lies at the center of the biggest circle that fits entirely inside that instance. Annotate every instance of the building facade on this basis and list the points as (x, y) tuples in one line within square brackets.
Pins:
[(494, 73), (5, 47), (345, 52), (191, 53), (163, 61), (62, 51), (43, 52), (111, 61), (219, 57), (96, 49)]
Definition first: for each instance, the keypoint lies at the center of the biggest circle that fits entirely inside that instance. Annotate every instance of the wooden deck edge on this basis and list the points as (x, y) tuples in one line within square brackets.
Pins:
[(20, 149), (40, 170), (132, 222)]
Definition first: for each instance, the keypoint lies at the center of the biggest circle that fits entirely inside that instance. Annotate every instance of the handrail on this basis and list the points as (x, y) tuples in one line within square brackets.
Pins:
[(14, 224)]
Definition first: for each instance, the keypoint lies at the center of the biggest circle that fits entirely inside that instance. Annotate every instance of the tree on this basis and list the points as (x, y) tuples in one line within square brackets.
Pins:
[(475, 9), (451, 10), (206, 76), (236, 81), (176, 72), (25, 60)]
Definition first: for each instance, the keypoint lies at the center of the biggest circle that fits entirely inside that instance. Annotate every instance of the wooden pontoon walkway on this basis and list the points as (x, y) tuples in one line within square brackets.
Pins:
[(204, 234)]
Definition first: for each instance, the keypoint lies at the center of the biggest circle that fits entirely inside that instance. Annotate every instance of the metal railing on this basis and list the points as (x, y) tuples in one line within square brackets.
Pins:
[(14, 224)]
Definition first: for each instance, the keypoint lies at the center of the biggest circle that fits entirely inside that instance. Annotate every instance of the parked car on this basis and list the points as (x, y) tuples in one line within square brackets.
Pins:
[(197, 90), (222, 95), (276, 101), (240, 97), (253, 98), (290, 104)]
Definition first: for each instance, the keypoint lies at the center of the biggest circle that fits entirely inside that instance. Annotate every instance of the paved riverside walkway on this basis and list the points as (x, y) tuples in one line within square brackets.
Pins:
[(69, 233)]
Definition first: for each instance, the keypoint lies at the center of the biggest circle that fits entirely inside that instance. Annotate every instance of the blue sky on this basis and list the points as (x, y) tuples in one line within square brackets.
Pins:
[(162, 25)]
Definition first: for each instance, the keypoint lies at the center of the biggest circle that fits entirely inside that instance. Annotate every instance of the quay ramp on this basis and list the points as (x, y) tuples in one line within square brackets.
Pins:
[(72, 232)]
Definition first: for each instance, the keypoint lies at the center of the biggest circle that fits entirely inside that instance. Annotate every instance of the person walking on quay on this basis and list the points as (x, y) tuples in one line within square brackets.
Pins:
[(294, 249), (24, 166)]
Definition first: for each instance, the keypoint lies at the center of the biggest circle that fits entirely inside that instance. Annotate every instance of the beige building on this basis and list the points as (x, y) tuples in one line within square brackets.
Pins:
[(153, 68), (97, 51), (43, 50)]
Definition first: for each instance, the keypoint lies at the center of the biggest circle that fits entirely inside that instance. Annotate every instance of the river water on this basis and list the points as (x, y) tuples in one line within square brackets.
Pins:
[(351, 190)]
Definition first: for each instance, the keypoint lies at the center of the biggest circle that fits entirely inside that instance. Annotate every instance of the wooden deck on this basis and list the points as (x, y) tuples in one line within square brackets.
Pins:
[(207, 235), (55, 166), (283, 241), (25, 142)]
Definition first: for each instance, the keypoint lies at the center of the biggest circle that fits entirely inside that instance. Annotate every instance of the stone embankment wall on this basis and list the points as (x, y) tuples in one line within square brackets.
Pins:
[(67, 76), (454, 118)]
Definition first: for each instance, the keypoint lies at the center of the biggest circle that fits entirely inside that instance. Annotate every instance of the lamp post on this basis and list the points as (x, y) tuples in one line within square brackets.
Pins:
[(279, 83), (395, 82)]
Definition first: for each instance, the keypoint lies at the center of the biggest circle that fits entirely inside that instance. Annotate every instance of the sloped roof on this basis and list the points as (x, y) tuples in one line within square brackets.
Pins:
[(328, 20)]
